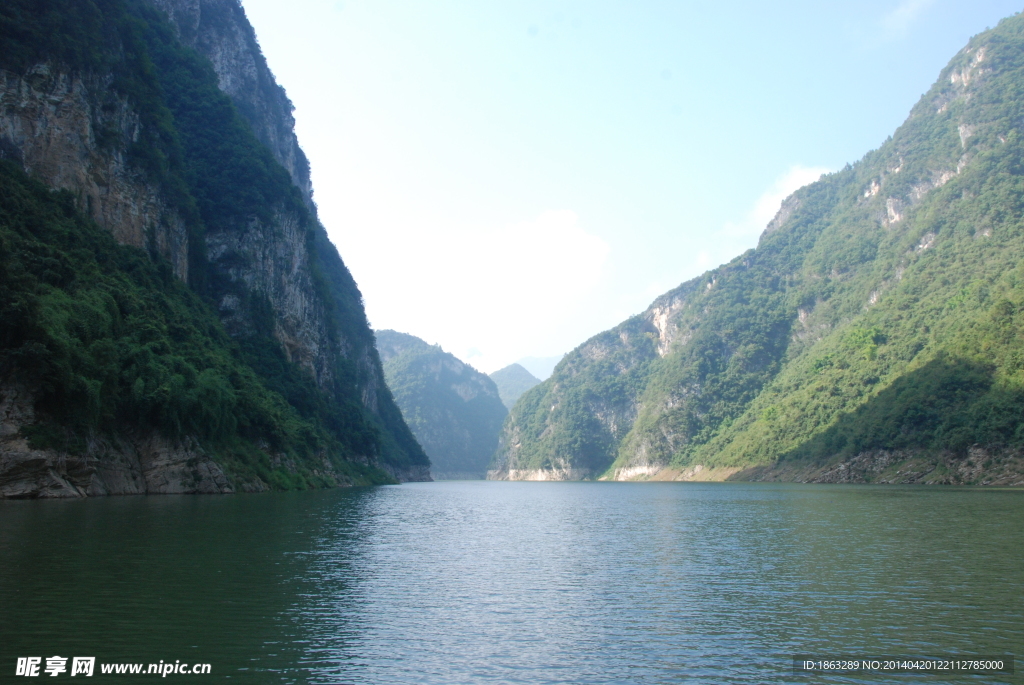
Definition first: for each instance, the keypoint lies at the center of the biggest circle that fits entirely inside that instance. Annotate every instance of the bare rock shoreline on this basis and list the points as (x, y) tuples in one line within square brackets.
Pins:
[(980, 466)]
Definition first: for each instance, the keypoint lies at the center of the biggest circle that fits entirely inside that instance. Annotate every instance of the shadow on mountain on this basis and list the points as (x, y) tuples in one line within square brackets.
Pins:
[(947, 405)]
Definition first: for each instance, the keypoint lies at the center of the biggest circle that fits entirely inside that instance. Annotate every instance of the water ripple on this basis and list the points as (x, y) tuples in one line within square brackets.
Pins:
[(474, 582)]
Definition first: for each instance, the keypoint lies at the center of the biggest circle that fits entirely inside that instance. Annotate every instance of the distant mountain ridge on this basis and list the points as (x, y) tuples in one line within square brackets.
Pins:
[(875, 334), (453, 410), (512, 382)]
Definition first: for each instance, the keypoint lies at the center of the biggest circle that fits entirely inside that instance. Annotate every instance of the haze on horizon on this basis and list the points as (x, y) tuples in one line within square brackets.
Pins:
[(508, 180)]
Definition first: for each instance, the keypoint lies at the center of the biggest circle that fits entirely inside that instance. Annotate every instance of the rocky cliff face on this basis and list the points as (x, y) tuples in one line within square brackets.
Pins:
[(269, 257), (263, 260), (132, 465), (276, 257), (73, 132), (219, 30)]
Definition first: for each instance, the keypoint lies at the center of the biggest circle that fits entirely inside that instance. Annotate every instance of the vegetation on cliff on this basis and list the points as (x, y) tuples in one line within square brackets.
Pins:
[(881, 310), (453, 409), (107, 338)]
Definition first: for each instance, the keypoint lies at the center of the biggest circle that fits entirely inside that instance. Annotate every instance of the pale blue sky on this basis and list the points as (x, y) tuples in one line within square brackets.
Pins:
[(507, 179)]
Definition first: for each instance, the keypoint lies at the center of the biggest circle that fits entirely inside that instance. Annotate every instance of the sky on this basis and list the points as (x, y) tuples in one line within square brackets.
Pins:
[(507, 179)]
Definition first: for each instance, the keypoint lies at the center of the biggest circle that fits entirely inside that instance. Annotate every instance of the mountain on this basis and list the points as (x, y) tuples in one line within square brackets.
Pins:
[(175, 317), (454, 410), (876, 333), (512, 382)]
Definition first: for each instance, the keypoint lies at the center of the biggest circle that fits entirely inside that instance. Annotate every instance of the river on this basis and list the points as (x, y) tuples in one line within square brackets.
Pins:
[(492, 582)]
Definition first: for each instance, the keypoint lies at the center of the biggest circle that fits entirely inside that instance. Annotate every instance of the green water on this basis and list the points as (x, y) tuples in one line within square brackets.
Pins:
[(467, 582)]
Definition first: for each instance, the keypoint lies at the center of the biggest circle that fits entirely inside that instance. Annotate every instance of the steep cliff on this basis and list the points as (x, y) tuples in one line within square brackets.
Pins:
[(219, 30), (874, 334), (73, 130), (453, 409), (192, 158)]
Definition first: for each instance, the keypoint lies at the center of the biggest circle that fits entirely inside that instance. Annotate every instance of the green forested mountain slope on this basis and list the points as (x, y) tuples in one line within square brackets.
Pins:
[(109, 340), (512, 382), (223, 345), (453, 409), (874, 334)]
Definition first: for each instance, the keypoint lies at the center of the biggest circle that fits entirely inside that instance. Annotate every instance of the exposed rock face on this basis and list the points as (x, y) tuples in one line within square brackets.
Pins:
[(72, 132), (792, 204), (148, 464), (219, 30), (417, 473), (273, 260), (562, 471)]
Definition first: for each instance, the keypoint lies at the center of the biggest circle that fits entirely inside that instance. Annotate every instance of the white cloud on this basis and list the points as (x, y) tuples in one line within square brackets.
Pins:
[(767, 205), (897, 21)]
